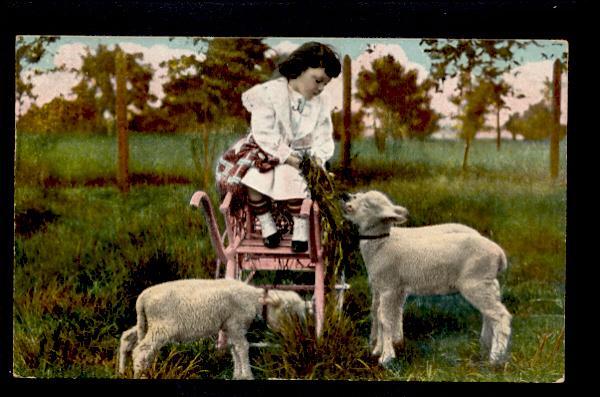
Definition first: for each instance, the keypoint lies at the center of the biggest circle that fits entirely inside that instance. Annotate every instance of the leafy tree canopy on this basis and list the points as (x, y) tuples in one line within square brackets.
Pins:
[(95, 96), (98, 84), (535, 124), (211, 86), (28, 52), (397, 97), (484, 59)]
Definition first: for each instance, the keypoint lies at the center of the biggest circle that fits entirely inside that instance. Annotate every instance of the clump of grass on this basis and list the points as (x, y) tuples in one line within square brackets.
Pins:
[(340, 237), (195, 360), (340, 353)]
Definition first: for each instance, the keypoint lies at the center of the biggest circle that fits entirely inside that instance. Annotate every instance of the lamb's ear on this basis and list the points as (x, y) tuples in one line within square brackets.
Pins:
[(396, 214), (308, 306)]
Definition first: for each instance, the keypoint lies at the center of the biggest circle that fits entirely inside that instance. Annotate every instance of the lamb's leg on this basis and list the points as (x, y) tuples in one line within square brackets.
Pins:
[(237, 368), (240, 347), (373, 341), (378, 349), (485, 296), (146, 350), (399, 329), (388, 316), (128, 341), (486, 334)]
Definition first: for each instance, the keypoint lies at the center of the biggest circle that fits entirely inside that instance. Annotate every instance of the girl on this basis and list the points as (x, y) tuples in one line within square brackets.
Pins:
[(289, 119)]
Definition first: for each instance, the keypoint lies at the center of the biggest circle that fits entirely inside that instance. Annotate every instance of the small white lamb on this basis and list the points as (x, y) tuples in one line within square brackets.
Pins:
[(431, 260), (188, 310)]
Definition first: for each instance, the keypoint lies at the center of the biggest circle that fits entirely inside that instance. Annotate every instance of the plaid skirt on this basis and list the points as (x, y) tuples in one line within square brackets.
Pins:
[(236, 161), (246, 164)]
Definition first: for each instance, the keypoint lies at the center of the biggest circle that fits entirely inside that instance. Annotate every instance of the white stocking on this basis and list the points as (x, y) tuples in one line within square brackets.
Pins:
[(267, 224)]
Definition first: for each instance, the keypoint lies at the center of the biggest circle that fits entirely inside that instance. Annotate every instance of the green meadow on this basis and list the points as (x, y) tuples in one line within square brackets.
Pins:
[(84, 251)]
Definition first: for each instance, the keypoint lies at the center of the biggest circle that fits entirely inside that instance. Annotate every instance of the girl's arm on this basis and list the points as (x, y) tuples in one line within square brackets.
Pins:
[(323, 145), (263, 124)]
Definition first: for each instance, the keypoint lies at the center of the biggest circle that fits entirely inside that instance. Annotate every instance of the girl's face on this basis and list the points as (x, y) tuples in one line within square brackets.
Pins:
[(311, 82)]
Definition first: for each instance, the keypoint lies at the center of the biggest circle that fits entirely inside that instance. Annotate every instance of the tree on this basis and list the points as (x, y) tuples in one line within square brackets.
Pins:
[(58, 116), (235, 65), (485, 60), (536, 123), (402, 105), (28, 52), (98, 85), (499, 91), (473, 105), (201, 89), (357, 125), (514, 125)]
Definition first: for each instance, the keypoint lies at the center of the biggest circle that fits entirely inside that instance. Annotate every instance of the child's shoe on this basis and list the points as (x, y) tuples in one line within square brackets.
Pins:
[(300, 234)]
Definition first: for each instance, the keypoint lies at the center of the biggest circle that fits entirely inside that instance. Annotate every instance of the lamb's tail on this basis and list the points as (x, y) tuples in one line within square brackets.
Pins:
[(502, 261), (142, 322), (134, 334), (128, 342)]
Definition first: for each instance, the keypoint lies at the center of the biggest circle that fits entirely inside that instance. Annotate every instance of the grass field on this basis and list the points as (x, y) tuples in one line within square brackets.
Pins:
[(83, 251)]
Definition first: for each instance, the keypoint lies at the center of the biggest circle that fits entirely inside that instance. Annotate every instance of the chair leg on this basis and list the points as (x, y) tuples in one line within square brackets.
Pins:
[(230, 270), (319, 298)]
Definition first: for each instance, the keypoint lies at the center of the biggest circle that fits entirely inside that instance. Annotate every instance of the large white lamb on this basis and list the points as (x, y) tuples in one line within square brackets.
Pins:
[(188, 310), (431, 260)]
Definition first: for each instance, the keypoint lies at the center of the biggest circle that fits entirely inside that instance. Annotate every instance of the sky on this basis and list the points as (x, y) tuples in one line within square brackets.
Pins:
[(532, 73)]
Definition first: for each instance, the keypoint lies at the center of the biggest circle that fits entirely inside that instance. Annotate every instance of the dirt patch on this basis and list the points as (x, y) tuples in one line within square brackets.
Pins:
[(32, 220)]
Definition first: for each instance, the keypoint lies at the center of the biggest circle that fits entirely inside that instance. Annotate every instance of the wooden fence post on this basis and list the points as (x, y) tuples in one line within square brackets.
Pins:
[(554, 134), (347, 115), (121, 119)]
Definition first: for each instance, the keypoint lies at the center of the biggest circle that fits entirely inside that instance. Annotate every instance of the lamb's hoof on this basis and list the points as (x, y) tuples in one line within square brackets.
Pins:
[(498, 361), (376, 352), (386, 361)]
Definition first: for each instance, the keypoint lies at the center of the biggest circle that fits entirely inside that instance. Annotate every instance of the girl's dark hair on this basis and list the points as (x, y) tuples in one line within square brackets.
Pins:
[(311, 55)]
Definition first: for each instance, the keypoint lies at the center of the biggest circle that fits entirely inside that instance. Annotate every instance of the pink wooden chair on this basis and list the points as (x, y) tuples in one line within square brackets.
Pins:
[(245, 250)]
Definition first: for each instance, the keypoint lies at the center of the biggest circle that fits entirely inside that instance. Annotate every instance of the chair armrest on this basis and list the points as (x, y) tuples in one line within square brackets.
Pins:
[(195, 200), (226, 204)]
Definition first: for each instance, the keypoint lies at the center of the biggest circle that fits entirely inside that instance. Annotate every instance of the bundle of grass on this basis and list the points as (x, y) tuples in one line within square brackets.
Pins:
[(340, 353), (340, 237)]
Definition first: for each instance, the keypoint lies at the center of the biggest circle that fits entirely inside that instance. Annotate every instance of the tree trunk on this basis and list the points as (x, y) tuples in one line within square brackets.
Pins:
[(498, 135), (466, 153), (554, 146), (347, 119), (121, 119), (207, 172)]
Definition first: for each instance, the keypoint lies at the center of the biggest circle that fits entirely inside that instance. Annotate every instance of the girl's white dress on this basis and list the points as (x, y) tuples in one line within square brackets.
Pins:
[(284, 122)]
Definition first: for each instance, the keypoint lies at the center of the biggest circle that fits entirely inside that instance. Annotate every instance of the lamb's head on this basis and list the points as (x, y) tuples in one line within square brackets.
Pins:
[(372, 211), (284, 303)]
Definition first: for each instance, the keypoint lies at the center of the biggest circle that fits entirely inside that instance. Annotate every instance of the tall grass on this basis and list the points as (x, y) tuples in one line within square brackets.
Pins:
[(79, 159), (83, 252)]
